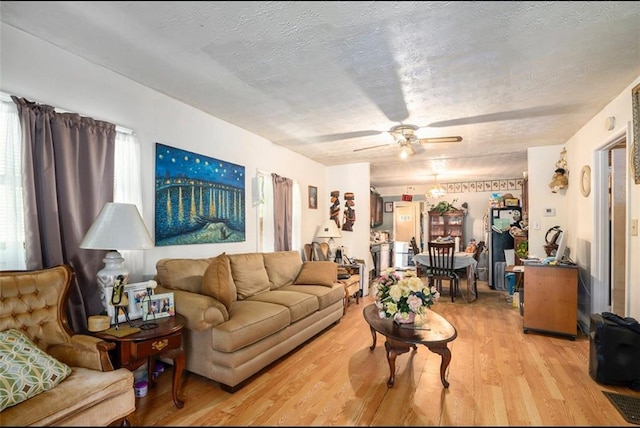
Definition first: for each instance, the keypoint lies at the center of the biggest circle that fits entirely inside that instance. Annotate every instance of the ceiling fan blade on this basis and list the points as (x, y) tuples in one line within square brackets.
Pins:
[(329, 137), (506, 115), (373, 147), (452, 139)]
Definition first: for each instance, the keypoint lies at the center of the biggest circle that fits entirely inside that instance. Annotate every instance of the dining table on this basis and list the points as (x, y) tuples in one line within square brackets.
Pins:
[(461, 260)]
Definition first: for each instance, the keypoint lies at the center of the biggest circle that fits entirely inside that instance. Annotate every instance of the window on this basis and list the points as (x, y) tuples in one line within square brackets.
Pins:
[(12, 251), (127, 186)]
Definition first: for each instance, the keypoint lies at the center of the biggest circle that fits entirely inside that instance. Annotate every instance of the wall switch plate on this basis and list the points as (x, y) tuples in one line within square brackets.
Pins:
[(536, 225), (549, 212), (634, 227)]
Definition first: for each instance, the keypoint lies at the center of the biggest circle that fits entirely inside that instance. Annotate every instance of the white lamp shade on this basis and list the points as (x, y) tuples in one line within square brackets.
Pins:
[(329, 229), (118, 227)]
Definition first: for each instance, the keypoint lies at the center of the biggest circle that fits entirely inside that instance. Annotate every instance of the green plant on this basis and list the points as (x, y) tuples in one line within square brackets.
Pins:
[(444, 206), (522, 250)]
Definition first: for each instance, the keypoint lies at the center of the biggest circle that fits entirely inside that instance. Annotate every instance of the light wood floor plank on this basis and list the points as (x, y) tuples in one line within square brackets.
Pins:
[(498, 376)]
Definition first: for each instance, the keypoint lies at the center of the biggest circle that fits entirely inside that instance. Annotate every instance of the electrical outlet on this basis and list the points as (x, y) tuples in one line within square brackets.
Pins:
[(634, 227)]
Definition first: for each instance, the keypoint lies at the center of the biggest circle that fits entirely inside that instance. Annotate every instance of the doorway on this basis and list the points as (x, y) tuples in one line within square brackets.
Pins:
[(611, 181), (406, 225)]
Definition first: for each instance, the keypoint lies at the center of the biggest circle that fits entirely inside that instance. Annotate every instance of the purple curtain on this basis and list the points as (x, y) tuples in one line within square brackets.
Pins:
[(283, 212), (68, 164)]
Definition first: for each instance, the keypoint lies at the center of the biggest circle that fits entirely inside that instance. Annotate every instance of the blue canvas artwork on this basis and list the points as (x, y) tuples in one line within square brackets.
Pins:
[(199, 200)]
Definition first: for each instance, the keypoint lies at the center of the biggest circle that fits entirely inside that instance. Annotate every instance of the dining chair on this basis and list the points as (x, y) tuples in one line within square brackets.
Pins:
[(416, 250), (441, 267)]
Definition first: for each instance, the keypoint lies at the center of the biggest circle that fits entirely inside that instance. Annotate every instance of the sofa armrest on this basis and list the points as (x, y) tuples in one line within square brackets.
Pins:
[(84, 351), (201, 311)]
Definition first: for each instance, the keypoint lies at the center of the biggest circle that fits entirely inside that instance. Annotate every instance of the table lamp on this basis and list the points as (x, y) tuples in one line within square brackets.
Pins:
[(330, 230), (119, 226)]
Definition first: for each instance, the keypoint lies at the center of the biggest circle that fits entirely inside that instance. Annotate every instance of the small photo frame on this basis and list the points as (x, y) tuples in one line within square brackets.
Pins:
[(313, 197), (158, 306), (134, 309), (388, 207)]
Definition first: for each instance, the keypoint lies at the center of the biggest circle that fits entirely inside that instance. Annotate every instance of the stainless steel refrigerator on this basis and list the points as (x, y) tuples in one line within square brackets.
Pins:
[(500, 219)]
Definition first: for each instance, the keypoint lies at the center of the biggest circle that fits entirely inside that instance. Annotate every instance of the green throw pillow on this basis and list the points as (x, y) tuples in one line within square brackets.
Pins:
[(25, 370)]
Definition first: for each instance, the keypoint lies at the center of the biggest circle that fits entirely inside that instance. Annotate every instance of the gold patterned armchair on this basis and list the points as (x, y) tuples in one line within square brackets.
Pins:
[(48, 374)]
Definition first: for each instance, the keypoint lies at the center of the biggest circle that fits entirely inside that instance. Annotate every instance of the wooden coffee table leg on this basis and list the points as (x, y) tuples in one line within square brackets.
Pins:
[(373, 333), (395, 348), (444, 352), (391, 359)]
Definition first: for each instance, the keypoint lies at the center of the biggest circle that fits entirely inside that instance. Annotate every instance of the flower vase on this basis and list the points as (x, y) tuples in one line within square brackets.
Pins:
[(408, 319)]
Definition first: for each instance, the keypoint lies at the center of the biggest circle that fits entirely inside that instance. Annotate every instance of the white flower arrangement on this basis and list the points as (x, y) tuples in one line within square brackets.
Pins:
[(397, 297)]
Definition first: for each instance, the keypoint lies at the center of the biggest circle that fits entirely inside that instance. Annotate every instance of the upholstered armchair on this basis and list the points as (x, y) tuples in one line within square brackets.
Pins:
[(48, 374)]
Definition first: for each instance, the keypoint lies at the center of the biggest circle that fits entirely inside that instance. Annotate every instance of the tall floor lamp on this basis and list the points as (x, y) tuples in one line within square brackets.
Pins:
[(119, 226)]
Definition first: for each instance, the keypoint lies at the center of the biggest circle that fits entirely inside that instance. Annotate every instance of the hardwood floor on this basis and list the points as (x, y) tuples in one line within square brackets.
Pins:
[(498, 376)]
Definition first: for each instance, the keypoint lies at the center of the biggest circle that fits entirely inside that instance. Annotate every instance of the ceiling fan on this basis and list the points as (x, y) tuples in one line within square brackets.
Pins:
[(404, 136)]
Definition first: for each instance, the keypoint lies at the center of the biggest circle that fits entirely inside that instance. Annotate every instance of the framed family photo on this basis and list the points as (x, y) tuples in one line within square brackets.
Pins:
[(388, 207), (159, 306)]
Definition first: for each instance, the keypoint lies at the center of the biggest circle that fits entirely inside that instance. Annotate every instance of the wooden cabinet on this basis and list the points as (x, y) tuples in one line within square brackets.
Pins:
[(551, 299), (450, 223)]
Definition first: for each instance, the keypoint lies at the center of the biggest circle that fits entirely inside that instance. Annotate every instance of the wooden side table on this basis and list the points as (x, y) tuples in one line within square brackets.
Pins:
[(146, 345)]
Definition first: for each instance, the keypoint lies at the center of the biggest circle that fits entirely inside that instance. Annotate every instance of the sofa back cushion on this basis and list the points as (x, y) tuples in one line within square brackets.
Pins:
[(217, 281), (249, 274), (282, 267), (182, 274)]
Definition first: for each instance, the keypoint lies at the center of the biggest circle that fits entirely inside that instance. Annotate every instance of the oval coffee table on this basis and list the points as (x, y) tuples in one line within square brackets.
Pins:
[(401, 339)]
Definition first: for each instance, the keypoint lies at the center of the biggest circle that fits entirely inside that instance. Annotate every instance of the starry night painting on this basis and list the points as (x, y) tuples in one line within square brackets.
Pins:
[(199, 200)]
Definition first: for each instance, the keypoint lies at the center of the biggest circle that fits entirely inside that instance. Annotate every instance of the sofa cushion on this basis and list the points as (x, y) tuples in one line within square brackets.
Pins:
[(182, 274), (249, 274), (282, 267), (249, 322), (25, 370), (299, 304), (217, 281), (326, 295), (317, 273), (85, 398)]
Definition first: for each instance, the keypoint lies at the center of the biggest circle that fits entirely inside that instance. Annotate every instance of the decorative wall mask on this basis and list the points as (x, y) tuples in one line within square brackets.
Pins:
[(349, 213), (334, 209)]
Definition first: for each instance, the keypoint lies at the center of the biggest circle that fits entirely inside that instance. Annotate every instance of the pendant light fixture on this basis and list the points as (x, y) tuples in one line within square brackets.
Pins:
[(437, 191)]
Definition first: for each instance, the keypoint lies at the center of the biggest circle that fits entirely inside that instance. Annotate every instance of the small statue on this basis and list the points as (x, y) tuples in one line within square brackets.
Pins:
[(119, 301)]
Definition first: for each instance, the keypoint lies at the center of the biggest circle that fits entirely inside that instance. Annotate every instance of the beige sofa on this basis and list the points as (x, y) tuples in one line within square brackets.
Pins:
[(245, 311), (51, 376)]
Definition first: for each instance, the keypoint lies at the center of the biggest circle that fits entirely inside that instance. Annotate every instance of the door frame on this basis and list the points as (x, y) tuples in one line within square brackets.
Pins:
[(601, 267)]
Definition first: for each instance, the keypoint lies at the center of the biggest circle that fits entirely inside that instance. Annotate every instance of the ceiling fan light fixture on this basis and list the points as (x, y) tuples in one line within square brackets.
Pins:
[(406, 151)]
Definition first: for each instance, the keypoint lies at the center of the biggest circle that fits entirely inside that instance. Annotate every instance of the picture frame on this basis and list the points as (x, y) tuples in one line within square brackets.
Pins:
[(158, 306), (313, 197), (134, 309), (388, 207)]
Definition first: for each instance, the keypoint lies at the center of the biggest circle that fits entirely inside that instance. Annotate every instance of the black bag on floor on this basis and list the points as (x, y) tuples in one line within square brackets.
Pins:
[(614, 350)]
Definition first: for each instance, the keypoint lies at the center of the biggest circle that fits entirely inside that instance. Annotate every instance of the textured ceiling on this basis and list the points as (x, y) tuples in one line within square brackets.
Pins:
[(327, 78)]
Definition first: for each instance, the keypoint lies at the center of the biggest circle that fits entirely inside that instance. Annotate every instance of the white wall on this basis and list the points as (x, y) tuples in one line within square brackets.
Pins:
[(43, 73)]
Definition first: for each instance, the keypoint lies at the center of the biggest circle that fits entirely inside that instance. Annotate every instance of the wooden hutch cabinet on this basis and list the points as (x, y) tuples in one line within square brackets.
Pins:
[(450, 223)]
